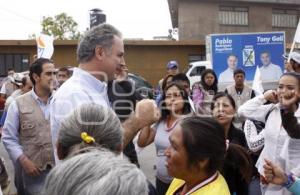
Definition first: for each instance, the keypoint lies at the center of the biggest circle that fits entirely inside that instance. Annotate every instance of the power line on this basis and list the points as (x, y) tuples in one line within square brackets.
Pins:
[(20, 15)]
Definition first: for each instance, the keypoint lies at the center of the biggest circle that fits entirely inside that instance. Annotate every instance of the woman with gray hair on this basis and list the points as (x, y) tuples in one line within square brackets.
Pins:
[(96, 172), (92, 120), (93, 127)]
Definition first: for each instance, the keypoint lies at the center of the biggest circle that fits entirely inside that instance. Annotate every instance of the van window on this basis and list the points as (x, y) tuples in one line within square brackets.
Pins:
[(197, 71)]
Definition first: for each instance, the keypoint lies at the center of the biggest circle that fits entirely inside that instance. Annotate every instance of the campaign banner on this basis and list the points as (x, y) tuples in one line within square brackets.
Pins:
[(247, 51)]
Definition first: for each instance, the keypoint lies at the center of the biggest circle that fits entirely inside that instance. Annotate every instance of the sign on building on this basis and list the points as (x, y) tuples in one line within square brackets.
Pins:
[(246, 51)]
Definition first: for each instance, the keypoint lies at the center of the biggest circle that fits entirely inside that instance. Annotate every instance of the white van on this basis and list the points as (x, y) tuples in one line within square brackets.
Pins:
[(195, 70)]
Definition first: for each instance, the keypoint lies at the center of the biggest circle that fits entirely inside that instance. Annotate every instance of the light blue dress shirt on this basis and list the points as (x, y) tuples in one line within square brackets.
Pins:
[(81, 88), (10, 135)]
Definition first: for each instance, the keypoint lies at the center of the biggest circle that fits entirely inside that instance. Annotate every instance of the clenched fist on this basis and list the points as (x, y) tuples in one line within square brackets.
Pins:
[(147, 112), (271, 96)]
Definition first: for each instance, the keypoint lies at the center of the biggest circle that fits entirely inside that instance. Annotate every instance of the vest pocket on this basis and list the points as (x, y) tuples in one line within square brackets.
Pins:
[(27, 129)]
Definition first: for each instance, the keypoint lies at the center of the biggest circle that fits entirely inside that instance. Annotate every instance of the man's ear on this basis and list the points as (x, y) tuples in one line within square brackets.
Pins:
[(120, 148), (35, 77), (99, 52), (59, 152)]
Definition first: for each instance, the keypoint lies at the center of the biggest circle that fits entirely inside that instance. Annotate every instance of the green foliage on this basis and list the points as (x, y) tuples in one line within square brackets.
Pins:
[(61, 27)]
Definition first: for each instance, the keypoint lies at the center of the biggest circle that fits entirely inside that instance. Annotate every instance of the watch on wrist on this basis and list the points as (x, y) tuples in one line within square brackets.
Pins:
[(290, 180)]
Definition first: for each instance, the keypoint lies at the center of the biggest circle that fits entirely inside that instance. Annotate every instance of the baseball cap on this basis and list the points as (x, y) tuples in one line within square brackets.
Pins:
[(17, 78), (295, 56), (172, 64)]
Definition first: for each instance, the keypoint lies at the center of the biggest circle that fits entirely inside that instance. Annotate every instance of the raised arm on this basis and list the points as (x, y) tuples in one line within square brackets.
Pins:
[(255, 140), (255, 109), (146, 136), (146, 114)]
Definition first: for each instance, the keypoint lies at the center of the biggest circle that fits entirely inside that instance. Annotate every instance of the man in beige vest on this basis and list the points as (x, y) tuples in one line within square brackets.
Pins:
[(26, 131), (240, 93)]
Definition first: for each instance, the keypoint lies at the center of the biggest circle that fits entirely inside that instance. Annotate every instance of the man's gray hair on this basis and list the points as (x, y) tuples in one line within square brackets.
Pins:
[(101, 35), (96, 172), (97, 121)]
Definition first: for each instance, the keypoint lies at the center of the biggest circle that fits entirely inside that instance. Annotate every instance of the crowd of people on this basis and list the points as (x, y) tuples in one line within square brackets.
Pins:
[(77, 132)]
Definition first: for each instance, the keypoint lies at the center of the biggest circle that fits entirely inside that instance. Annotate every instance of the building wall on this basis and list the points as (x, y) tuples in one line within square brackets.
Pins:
[(196, 19), (149, 61), (63, 55)]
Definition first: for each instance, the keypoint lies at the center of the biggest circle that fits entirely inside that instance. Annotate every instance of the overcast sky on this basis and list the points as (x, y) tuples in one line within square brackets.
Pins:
[(135, 18)]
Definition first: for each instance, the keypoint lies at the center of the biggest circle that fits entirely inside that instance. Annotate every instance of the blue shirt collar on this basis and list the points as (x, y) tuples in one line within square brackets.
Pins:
[(37, 98)]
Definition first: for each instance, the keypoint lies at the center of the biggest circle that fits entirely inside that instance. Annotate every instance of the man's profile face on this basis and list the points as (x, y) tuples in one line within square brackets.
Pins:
[(114, 58), (232, 62), (173, 71), (47, 77), (265, 59)]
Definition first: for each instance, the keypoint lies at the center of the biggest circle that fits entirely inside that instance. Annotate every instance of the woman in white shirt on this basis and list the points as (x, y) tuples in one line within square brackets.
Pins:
[(279, 147)]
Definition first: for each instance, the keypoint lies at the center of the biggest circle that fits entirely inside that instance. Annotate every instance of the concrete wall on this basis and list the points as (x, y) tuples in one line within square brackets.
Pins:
[(197, 19), (150, 61)]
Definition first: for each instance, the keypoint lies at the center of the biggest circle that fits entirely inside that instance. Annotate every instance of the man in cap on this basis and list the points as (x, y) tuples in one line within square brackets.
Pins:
[(10, 85), (172, 69)]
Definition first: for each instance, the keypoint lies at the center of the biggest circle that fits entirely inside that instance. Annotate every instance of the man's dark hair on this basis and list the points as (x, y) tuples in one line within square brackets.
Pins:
[(181, 77), (239, 71), (204, 138), (37, 68), (10, 69), (65, 69), (24, 80)]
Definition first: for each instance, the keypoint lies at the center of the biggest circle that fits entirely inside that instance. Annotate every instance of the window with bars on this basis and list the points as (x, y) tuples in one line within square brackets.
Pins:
[(19, 62), (230, 15), (285, 18)]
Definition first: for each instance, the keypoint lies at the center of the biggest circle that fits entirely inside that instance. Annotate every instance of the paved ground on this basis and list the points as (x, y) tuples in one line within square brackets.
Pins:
[(146, 159)]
